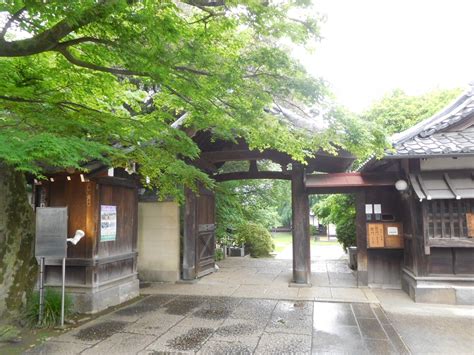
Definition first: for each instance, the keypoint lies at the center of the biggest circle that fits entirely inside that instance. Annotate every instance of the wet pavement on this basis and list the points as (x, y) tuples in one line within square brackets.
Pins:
[(220, 325), (246, 277)]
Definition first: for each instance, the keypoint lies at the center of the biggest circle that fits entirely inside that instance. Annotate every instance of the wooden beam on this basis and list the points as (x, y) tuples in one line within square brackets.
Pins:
[(451, 242), (239, 155), (300, 234), (333, 190), (347, 180), (203, 164), (361, 238), (253, 168), (247, 175)]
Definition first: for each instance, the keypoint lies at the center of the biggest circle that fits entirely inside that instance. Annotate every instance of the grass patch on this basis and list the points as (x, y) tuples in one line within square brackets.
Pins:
[(52, 309), (284, 239)]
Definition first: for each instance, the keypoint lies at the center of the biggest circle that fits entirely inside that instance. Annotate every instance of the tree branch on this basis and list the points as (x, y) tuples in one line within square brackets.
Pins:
[(49, 39), (67, 104), (205, 3), (81, 63), (73, 42), (194, 71), (10, 22)]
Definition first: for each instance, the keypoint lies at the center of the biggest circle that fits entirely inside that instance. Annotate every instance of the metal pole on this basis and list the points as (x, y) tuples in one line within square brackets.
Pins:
[(63, 291), (41, 291)]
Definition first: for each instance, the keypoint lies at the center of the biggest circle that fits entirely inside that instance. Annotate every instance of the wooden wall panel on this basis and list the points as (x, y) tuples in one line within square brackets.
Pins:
[(441, 261), (75, 275), (385, 267), (408, 254), (125, 199), (464, 261), (115, 270), (73, 194)]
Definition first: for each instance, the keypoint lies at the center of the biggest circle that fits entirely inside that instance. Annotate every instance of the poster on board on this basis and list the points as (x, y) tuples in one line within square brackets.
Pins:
[(108, 223)]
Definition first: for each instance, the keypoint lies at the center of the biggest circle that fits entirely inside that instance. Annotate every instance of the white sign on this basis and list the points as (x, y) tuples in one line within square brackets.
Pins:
[(108, 223), (377, 209), (392, 230), (368, 209)]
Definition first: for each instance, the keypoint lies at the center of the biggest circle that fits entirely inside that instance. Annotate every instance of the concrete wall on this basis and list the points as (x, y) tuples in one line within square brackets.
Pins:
[(158, 241)]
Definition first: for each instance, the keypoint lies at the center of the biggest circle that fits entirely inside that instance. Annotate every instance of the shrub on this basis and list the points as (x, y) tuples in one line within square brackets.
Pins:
[(218, 254), (52, 308), (346, 231), (313, 230), (340, 210), (257, 239)]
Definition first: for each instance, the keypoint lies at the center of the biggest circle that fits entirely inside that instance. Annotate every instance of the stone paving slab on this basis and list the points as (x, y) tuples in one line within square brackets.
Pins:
[(121, 343), (268, 278), (209, 325), (54, 347)]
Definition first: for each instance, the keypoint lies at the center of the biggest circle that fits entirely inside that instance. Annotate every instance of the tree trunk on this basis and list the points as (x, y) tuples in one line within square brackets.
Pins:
[(18, 267)]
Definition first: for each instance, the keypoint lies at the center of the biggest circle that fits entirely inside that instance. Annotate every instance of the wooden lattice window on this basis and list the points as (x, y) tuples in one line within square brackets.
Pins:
[(447, 218)]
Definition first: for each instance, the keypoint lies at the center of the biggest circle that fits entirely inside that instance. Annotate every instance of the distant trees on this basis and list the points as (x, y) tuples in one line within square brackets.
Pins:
[(397, 111)]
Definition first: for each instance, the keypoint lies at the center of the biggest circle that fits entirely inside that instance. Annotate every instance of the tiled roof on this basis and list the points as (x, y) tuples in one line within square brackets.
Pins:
[(435, 136), (448, 143)]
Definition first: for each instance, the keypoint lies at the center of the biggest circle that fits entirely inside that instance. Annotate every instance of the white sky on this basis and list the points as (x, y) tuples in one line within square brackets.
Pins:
[(373, 46)]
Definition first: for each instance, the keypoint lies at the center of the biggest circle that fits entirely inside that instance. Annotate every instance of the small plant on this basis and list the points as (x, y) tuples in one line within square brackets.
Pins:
[(8, 333), (256, 238), (218, 254), (52, 309)]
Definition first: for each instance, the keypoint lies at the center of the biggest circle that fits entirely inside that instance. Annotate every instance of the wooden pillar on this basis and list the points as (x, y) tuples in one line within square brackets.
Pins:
[(362, 257), (189, 240), (300, 218)]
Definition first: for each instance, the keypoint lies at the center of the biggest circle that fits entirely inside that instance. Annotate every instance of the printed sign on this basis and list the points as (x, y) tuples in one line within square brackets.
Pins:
[(108, 223), (377, 209), (368, 209), (392, 230)]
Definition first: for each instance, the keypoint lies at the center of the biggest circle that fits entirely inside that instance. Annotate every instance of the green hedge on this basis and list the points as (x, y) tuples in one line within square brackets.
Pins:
[(257, 239)]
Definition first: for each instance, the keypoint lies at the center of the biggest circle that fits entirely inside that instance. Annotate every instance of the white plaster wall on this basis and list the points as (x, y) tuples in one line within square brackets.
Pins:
[(447, 163), (158, 241)]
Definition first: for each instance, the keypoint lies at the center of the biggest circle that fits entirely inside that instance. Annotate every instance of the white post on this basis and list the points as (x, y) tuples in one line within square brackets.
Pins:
[(41, 291), (63, 291)]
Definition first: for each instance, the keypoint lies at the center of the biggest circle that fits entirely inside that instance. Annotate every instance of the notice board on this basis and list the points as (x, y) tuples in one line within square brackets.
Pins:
[(51, 232), (375, 235), (470, 224), (385, 235), (393, 235)]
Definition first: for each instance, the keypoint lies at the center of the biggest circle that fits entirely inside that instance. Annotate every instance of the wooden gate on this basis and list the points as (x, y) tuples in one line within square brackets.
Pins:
[(206, 236), (199, 234)]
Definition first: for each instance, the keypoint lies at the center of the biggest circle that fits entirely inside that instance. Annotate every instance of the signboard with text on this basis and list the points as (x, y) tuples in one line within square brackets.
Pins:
[(108, 223), (51, 232)]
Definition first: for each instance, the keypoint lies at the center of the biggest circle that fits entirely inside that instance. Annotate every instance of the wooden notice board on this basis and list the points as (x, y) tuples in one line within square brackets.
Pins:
[(393, 235), (385, 235), (470, 224), (375, 235)]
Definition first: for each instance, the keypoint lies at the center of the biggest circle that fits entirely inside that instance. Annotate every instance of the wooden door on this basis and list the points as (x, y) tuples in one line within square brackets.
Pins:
[(206, 236)]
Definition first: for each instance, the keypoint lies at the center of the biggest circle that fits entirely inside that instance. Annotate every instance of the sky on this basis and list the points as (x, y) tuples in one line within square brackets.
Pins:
[(371, 47)]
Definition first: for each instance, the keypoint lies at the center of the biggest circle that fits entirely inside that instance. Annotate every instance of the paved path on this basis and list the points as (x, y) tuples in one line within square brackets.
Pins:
[(247, 307), (219, 325), (247, 277)]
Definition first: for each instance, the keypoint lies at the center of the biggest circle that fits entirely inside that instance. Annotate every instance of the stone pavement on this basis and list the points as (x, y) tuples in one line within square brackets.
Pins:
[(247, 277), (218, 325), (429, 328)]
